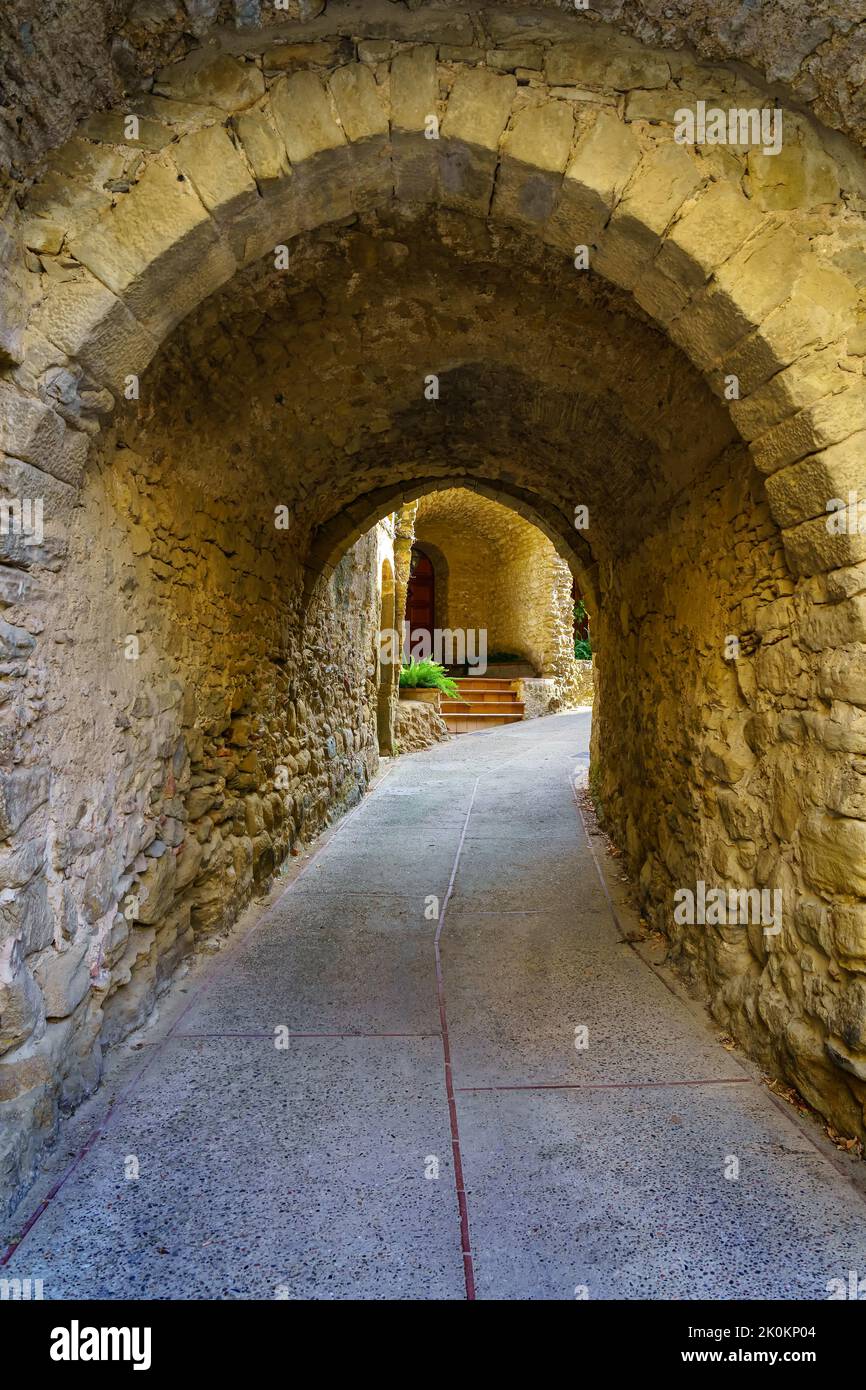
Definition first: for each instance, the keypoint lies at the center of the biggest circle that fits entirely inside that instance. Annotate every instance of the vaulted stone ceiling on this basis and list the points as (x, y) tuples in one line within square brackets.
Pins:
[(547, 379)]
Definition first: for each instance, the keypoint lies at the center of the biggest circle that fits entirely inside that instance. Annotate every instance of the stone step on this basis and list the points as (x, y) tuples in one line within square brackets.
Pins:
[(494, 692), (474, 723), (485, 683), (485, 697), (492, 701), (481, 707)]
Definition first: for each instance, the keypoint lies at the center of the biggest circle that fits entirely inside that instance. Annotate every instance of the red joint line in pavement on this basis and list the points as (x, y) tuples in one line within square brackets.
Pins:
[(609, 1085), (462, 1207), (156, 1050)]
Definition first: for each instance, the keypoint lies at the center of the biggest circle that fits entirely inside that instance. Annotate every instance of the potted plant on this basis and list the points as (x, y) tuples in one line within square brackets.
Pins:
[(427, 681)]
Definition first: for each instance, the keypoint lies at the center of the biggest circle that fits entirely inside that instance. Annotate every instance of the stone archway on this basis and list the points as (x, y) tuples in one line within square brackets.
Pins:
[(702, 397)]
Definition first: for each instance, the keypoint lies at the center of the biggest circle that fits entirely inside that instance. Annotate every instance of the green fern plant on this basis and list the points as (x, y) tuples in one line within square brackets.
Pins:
[(428, 675), (582, 645)]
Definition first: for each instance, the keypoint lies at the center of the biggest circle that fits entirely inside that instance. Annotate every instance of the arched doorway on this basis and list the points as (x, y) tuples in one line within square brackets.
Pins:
[(387, 669), (421, 598)]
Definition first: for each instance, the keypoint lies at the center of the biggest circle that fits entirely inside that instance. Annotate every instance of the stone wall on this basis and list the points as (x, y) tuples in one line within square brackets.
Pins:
[(497, 572), (466, 562), (209, 728), (533, 609), (725, 750), (418, 726), (63, 61)]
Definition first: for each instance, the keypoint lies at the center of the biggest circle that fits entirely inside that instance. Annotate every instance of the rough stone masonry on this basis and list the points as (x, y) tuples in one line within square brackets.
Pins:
[(223, 311)]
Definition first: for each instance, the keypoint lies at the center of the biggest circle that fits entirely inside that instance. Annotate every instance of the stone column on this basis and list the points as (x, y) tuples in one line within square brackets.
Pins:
[(404, 535)]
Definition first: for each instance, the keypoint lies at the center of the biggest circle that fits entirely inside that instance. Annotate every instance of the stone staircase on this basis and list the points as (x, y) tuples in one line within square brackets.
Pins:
[(491, 702)]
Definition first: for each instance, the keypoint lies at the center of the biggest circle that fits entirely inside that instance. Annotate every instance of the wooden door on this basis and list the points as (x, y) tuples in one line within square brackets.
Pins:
[(420, 596)]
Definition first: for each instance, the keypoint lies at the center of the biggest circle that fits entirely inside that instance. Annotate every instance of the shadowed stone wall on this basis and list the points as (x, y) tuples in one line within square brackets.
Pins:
[(210, 727), (503, 576)]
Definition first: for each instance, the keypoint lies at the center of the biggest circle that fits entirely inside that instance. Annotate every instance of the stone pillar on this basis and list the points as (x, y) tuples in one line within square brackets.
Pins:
[(404, 535)]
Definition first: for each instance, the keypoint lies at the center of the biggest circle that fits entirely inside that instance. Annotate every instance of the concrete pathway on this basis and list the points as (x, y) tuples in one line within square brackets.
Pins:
[(431, 1131)]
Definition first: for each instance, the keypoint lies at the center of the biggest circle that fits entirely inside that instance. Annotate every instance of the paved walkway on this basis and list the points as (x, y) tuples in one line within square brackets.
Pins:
[(438, 1038)]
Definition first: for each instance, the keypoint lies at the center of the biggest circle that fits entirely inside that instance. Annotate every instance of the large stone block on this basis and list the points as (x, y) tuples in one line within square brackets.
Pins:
[(800, 175), (64, 978), (602, 164), (226, 82), (21, 480), (322, 184), (304, 117), (810, 549), (818, 311), (655, 194), (362, 111), (69, 204), (32, 431), (414, 88), (27, 1121), (805, 489), (849, 934), (188, 862), (478, 108), (129, 1006), (834, 854), (802, 384), (605, 60), (110, 128), (746, 289), (838, 417), (219, 174), (20, 1000), (827, 626), (88, 321), (26, 913), (842, 676), (842, 731), (22, 792), (360, 102), (158, 250), (19, 865), (535, 151), (414, 99), (156, 888), (263, 148), (710, 230)]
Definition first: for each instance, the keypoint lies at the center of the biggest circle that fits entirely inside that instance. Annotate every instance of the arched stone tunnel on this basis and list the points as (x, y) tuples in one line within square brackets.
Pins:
[(327, 270)]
